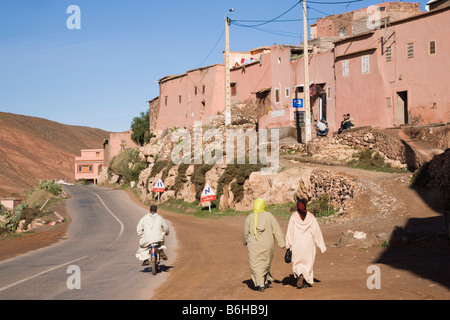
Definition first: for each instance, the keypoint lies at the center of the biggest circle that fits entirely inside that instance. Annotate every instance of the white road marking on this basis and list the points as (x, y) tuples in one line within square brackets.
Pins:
[(40, 273), (64, 264)]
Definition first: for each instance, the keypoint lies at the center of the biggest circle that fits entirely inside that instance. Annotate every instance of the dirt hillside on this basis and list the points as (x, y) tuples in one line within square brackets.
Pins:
[(33, 148)]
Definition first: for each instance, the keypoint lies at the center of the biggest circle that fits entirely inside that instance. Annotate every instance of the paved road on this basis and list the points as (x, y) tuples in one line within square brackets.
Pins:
[(101, 243)]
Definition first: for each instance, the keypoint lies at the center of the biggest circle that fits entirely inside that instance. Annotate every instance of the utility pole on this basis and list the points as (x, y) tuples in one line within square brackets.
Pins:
[(306, 98), (227, 71)]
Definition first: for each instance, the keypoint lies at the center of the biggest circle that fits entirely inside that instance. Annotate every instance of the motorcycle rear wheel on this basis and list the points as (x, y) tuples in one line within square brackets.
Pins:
[(153, 266)]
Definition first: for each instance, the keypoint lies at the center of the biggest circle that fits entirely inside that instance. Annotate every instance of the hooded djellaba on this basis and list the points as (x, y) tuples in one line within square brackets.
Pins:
[(260, 231), (302, 236)]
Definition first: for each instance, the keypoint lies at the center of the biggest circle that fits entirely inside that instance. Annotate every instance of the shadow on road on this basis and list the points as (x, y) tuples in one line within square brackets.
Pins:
[(162, 268)]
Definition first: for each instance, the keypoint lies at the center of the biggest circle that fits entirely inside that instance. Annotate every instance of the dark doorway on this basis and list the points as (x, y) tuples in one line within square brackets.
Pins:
[(402, 107)]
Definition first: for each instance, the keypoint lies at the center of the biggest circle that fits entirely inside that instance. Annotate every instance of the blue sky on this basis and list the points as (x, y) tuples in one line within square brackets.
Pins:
[(102, 74)]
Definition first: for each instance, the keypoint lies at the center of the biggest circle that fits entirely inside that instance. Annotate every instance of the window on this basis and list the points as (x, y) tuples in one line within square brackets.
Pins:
[(365, 64), (195, 90), (328, 92), (345, 68), (85, 168), (203, 89), (97, 154), (277, 95), (179, 99), (388, 102), (388, 54), (233, 86), (286, 92), (342, 32), (410, 48), (432, 47), (165, 100)]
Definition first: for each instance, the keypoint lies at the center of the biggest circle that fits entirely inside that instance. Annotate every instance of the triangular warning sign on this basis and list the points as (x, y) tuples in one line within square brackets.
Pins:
[(159, 186), (208, 194)]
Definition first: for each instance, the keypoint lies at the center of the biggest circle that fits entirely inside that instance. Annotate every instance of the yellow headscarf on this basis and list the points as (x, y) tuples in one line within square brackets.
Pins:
[(258, 207)]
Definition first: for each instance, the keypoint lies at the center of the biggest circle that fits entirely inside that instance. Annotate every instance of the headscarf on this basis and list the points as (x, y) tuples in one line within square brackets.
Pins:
[(258, 207), (301, 208)]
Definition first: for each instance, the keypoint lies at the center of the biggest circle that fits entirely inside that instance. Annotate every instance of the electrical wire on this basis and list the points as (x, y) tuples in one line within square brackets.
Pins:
[(272, 20), (215, 45)]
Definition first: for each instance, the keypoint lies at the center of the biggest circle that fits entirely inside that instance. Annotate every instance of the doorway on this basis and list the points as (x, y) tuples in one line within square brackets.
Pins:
[(402, 108)]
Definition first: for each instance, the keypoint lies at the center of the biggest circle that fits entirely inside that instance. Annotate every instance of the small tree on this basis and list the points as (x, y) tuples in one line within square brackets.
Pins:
[(141, 129)]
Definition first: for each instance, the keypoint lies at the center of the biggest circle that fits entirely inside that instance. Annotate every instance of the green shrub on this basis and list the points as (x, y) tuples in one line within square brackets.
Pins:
[(181, 177), (320, 207), (198, 178), (128, 165), (370, 160), (50, 186), (240, 172)]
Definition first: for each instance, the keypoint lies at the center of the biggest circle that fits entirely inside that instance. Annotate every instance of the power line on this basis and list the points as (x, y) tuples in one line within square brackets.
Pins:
[(272, 20), (215, 45), (335, 2)]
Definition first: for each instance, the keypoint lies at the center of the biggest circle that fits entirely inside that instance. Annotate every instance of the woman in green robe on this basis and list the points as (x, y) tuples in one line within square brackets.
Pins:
[(260, 231)]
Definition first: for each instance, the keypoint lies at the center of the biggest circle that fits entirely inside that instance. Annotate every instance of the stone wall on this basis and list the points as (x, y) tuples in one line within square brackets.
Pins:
[(342, 147), (280, 188)]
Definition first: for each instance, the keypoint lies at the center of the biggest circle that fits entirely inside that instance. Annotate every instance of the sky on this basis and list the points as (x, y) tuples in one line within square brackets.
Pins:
[(98, 66)]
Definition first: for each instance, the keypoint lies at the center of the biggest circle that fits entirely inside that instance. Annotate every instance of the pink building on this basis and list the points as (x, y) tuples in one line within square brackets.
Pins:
[(192, 96), (396, 75), (117, 142), (392, 74), (89, 164)]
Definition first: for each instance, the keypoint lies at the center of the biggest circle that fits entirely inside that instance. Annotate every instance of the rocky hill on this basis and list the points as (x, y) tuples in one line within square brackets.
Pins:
[(33, 148)]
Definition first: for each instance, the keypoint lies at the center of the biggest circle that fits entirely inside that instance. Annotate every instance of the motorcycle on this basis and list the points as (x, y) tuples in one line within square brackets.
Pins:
[(155, 257)]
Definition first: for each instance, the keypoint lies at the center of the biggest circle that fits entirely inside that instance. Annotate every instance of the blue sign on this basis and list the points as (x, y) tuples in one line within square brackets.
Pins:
[(297, 103)]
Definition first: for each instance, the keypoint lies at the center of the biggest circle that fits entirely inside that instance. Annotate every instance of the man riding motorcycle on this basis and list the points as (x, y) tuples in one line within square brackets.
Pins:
[(152, 228)]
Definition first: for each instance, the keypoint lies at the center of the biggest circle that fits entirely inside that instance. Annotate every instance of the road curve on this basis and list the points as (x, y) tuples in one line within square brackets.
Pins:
[(100, 246)]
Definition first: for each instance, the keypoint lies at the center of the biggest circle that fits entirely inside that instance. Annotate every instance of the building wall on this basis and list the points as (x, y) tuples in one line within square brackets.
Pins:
[(375, 98), (180, 105), (117, 142), (89, 164), (251, 78)]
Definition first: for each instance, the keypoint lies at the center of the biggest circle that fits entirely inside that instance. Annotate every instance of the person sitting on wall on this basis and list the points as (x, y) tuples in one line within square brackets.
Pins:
[(322, 128), (342, 123), (347, 123)]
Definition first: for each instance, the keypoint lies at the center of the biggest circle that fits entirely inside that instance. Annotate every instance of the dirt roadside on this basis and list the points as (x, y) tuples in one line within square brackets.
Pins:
[(212, 262)]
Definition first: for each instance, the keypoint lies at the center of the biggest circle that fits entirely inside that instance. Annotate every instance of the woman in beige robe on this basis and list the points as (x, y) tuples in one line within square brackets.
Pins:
[(260, 230), (302, 236)]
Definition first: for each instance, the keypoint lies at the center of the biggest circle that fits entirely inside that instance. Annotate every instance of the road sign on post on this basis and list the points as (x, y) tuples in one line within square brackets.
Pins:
[(297, 103), (208, 195), (159, 187)]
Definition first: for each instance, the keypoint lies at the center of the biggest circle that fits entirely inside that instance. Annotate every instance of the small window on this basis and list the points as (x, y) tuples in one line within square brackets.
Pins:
[(85, 168), (286, 92), (388, 102), (165, 100), (432, 47), (195, 90), (277, 95), (345, 70), (233, 86), (328, 92), (97, 154), (179, 99), (388, 54), (342, 32), (365, 64), (410, 48), (203, 89)]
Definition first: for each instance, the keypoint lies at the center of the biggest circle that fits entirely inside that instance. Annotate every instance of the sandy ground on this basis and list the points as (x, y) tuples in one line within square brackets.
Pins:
[(212, 262)]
